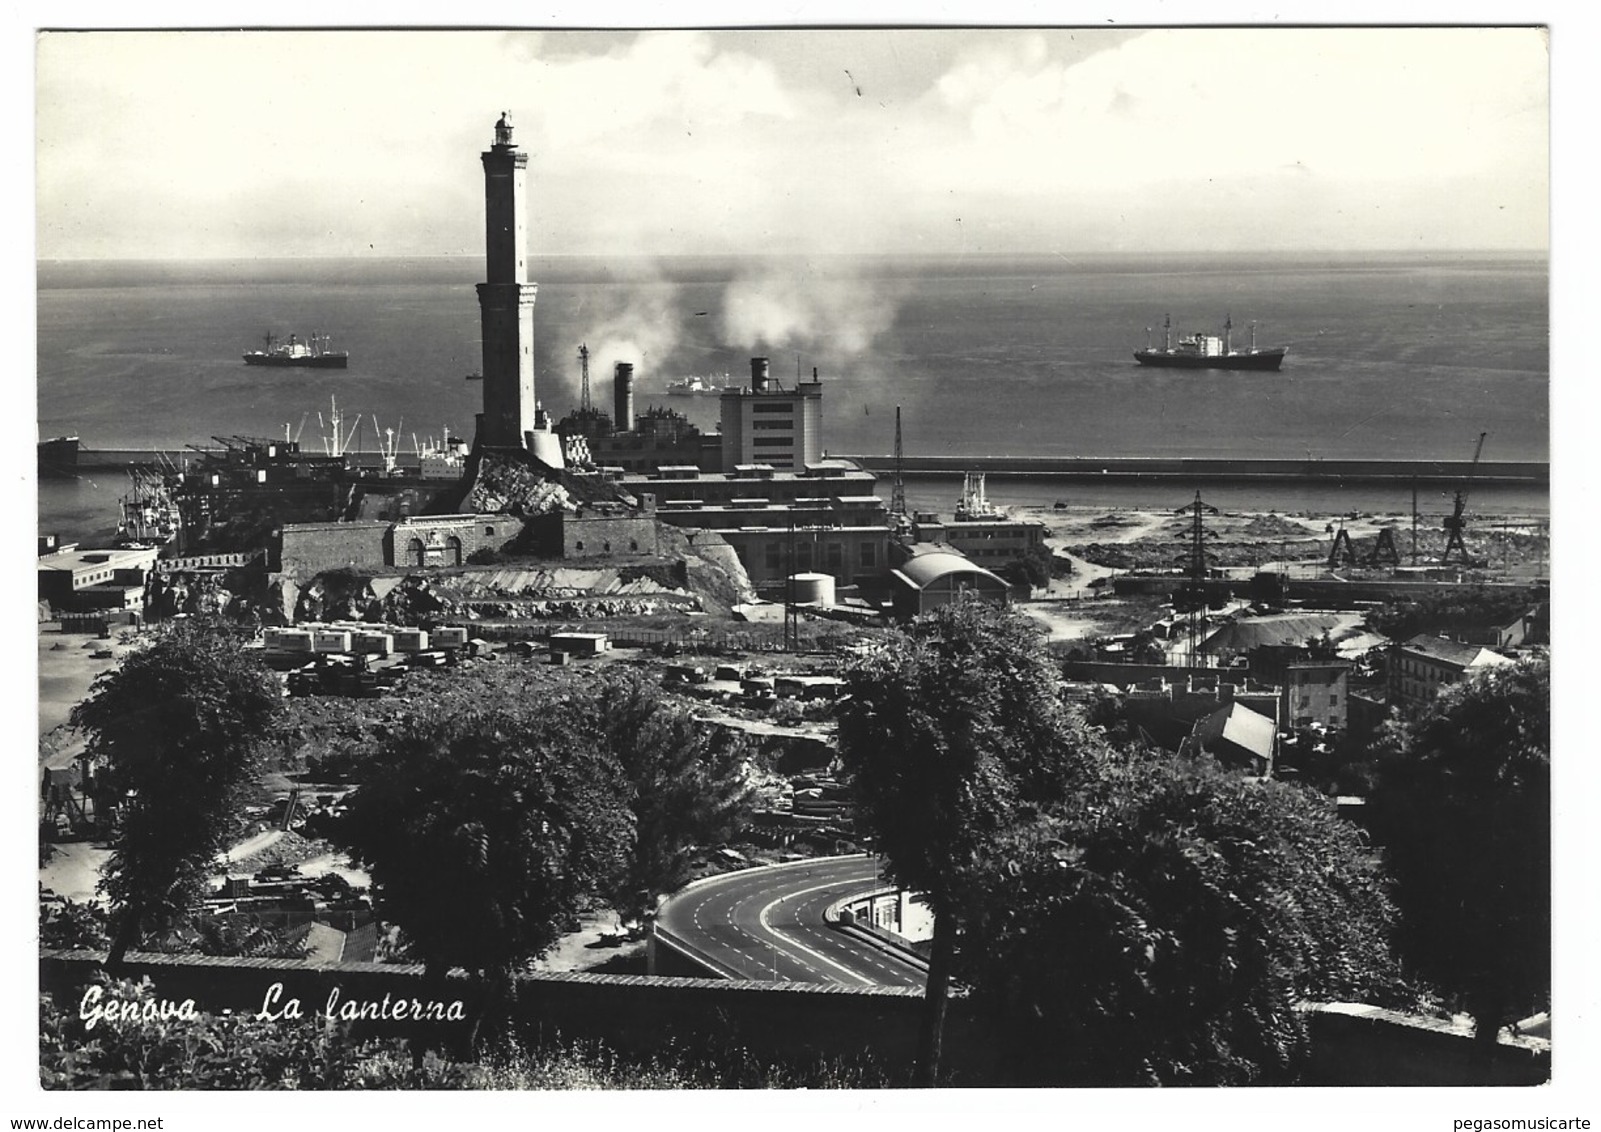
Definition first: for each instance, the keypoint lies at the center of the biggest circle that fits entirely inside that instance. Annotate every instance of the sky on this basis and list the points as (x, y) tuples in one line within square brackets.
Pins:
[(158, 144)]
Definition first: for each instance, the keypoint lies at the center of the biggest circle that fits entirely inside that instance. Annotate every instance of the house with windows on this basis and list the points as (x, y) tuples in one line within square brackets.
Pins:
[(1421, 666), (1313, 689)]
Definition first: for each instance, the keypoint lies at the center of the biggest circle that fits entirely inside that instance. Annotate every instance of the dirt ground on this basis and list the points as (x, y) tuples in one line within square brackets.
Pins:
[(67, 667), (1515, 548)]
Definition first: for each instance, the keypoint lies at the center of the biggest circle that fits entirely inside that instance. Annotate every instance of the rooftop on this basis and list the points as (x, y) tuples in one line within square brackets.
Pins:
[(1452, 652), (924, 569)]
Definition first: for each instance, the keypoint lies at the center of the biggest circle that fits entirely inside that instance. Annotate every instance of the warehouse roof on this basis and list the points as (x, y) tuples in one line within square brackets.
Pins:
[(922, 570)]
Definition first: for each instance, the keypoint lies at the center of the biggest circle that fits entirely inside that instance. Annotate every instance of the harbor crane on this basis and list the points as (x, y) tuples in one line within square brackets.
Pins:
[(1456, 522)]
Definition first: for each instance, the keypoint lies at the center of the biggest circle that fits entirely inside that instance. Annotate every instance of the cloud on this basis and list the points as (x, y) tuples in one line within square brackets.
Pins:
[(339, 143), (1359, 105)]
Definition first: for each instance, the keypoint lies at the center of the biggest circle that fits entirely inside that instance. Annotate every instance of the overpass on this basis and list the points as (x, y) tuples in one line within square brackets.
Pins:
[(768, 924)]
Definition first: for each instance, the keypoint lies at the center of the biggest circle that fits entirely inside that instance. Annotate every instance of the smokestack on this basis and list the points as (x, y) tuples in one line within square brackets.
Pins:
[(758, 375), (623, 396)]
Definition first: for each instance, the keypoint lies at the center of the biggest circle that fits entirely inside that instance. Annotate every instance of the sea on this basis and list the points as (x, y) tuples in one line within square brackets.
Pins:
[(1393, 356)]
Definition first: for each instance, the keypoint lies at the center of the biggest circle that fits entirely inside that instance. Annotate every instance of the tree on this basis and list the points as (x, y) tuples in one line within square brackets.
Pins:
[(950, 735), (178, 728), (1163, 926), (687, 786), (483, 833), (1462, 806)]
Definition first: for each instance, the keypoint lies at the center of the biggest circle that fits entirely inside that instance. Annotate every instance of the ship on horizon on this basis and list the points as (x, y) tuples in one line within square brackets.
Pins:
[(697, 386), (313, 352), (1208, 351)]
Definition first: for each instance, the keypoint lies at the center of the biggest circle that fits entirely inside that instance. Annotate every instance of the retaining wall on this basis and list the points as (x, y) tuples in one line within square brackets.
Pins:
[(1352, 1045)]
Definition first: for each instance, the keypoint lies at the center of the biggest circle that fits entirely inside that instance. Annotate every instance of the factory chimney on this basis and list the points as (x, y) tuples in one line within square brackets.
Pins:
[(623, 396), (758, 375)]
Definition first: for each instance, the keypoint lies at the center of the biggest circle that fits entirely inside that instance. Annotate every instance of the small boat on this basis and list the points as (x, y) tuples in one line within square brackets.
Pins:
[(1208, 351), (313, 352)]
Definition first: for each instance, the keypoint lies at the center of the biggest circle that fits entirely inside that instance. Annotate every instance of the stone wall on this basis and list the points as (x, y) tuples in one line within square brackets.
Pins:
[(1351, 1044), (439, 540), (638, 1013), (312, 548), (591, 535)]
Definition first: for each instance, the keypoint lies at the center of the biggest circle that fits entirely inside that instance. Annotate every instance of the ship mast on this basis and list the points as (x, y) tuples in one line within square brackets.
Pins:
[(1167, 334), (1228, 333)]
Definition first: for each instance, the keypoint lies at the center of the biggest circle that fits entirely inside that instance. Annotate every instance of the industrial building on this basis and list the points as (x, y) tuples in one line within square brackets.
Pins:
[(628, 441), (926, 581), (981, 531), (768, 424), (83, 580)]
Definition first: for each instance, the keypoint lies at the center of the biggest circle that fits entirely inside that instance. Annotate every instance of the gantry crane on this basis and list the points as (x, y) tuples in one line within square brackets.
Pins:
[(1456, 522)]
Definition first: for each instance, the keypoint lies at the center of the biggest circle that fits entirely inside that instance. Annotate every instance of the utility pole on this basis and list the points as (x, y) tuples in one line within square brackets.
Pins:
[(1192, 595), (1414, 521), (791, 614), (897, 499)]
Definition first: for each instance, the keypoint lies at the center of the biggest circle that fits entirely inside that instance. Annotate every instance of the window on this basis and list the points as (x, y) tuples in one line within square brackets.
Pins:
[(579, 546), (489, 532), (772, 558), (869, 555), (773, 441)]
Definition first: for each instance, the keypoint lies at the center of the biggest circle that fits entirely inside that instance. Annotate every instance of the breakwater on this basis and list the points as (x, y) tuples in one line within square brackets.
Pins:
[(1425, 473)]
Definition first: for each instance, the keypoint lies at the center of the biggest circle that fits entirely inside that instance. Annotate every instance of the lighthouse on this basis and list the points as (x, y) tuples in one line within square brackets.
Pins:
[(506, 299)]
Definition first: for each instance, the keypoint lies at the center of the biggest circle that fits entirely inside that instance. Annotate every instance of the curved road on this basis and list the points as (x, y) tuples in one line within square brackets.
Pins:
[(767, 924)]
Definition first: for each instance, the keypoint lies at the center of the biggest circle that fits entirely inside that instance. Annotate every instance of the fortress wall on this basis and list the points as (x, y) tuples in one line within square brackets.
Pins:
[(588, 536), (311, 548)]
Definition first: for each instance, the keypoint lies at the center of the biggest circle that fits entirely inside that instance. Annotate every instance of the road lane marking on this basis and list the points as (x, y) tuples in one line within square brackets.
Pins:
[(767, 925)]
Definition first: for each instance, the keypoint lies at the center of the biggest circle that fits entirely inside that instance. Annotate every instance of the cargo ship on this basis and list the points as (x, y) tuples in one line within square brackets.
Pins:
[(313, 352), (1208, 351), (698, 387)]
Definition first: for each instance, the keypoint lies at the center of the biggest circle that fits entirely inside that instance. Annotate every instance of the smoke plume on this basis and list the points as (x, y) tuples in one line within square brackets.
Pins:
[(833, 314)]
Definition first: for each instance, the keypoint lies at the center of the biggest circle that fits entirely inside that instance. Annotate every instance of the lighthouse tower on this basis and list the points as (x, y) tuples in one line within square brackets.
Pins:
[(506, 301)]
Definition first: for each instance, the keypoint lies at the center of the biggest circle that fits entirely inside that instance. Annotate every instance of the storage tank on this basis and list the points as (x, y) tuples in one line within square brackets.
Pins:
[(758, 375), (814, 589)]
